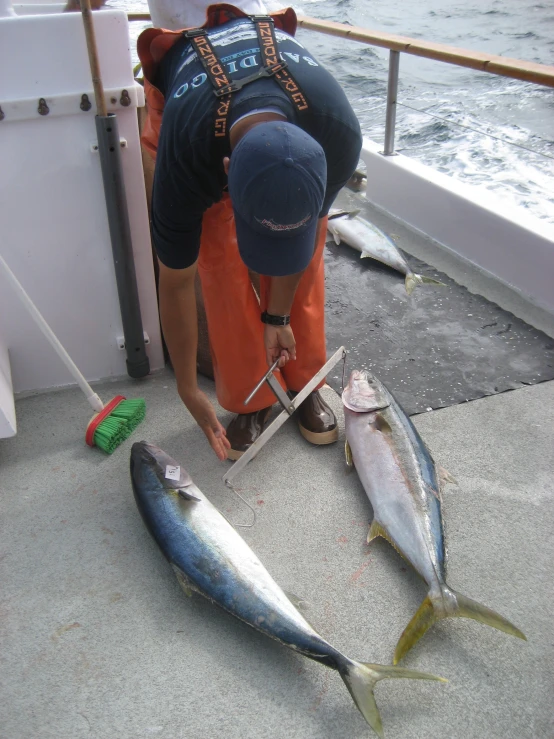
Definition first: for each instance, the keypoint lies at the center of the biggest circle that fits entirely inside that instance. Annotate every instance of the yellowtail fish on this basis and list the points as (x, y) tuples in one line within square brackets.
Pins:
[(373, 243), (209, 557), (403, 485)]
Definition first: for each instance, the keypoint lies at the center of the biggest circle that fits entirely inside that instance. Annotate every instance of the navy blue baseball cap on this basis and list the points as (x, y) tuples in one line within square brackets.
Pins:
[(277, 181)]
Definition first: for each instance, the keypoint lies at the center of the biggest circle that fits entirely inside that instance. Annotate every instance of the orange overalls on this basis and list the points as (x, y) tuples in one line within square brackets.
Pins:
[(232, 306)]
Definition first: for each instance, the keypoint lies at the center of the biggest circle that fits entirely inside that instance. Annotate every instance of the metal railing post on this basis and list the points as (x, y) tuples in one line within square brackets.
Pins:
[(392, 90)]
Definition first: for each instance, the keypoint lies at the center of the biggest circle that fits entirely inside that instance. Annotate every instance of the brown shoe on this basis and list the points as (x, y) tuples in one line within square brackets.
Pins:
[(317, 421), (243, 431)]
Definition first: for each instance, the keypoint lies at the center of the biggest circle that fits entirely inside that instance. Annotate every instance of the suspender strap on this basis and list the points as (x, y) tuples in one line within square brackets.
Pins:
[(272, 62), (216, 74), (273, 66)]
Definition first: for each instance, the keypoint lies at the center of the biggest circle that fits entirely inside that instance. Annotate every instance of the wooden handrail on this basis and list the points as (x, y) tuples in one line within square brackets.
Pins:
[(540, 74)]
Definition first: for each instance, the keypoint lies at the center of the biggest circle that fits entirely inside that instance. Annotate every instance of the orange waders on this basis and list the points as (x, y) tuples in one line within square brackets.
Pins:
[(232, 306)]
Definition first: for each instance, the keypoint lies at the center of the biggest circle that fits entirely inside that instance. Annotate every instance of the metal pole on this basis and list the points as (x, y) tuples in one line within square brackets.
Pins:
[(138, 364), (392, 90)]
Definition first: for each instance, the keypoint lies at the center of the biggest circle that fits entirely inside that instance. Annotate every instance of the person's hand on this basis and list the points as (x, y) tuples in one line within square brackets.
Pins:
[(279, 342), (203, 413)]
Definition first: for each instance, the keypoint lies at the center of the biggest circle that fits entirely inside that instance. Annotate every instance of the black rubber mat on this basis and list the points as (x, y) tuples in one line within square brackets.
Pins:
[(440, 347)]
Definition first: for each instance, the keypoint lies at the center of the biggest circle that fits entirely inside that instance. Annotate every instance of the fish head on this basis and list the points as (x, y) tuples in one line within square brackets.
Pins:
[(152, 467), (364, 393)]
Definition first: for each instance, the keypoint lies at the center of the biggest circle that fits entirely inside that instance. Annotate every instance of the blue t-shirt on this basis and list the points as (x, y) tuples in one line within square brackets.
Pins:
[(189, 175)]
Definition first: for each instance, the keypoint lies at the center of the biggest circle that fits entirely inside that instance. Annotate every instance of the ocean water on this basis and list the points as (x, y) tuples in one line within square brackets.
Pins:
[(483, 129)]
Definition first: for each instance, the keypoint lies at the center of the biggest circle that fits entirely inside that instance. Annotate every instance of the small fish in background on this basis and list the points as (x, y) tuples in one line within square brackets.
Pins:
[(402, 483), (373, 243), (209, 557)]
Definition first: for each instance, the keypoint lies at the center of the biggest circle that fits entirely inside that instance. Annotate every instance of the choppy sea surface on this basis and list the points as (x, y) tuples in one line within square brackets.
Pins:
[(485, 130)]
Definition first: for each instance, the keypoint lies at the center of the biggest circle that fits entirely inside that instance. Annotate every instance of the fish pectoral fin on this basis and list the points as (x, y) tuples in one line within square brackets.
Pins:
[(348, 454), (187, 495), (336, 237), (381, 424), (182, 579), (445, 476)]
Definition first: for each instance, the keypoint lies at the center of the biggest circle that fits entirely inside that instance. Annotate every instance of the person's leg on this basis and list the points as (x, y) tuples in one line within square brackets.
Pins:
[(234, 327)]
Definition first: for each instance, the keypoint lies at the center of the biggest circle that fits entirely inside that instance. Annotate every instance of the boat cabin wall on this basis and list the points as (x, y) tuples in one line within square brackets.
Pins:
[(53, 220)]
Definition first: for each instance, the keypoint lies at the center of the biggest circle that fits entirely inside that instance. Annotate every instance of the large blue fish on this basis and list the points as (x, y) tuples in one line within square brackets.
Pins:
[(403, 486), (209, 557)]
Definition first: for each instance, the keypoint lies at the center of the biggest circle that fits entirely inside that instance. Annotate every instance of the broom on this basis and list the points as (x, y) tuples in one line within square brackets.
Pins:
[(113, 422), (120, 416)]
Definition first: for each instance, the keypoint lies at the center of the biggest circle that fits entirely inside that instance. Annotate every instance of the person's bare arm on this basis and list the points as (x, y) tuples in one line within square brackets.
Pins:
[(279, 340), (180, 327)]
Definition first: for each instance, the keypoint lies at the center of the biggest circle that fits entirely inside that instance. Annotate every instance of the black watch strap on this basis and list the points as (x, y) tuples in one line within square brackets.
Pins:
[(275, 320)]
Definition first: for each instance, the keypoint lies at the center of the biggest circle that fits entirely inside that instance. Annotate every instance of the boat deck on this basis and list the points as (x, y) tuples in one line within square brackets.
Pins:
[(99, 640), (442, 345)]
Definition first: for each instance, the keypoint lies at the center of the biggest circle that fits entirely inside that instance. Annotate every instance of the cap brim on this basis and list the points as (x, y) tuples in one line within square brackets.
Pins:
[(275, 256)]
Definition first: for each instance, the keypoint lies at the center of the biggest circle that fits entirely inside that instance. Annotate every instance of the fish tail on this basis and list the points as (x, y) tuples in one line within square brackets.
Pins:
[(412, 280), (360, 679), (449, 604)]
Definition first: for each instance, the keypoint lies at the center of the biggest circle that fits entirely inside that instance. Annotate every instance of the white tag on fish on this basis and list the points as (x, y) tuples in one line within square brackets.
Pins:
[(173, 472)]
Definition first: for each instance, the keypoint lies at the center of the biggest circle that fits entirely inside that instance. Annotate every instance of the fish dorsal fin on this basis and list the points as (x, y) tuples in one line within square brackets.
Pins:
[(381, 424), (354, 213)]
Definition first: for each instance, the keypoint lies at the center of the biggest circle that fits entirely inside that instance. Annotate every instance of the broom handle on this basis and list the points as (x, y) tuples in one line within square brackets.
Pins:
[(86, 12), (90, 395)]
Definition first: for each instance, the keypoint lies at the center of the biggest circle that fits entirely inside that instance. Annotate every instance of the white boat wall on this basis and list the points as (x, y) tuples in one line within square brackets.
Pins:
[(54, 227), (53, 219), (486, 234)]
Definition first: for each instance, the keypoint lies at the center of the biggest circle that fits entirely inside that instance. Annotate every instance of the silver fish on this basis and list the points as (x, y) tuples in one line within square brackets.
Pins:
[(373, 243), (403, 485), (209, 557)]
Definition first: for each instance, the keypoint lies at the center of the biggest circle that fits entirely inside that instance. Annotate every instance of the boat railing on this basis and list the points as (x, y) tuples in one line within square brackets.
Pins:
[(539, 74)]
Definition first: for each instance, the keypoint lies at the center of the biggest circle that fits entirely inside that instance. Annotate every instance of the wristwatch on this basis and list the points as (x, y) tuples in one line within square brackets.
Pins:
[(275, 320)]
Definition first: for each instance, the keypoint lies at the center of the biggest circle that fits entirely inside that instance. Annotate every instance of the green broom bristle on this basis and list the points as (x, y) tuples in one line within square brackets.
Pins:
[(121, 422), (131, 411)]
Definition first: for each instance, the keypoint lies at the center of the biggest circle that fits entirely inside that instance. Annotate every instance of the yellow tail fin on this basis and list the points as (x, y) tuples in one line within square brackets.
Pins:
[(449, 604), (360, 679), (412, 279)]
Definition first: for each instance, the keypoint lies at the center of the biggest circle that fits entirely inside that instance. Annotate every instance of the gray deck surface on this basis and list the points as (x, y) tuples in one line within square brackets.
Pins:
[(439, 346), (98, 640)]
